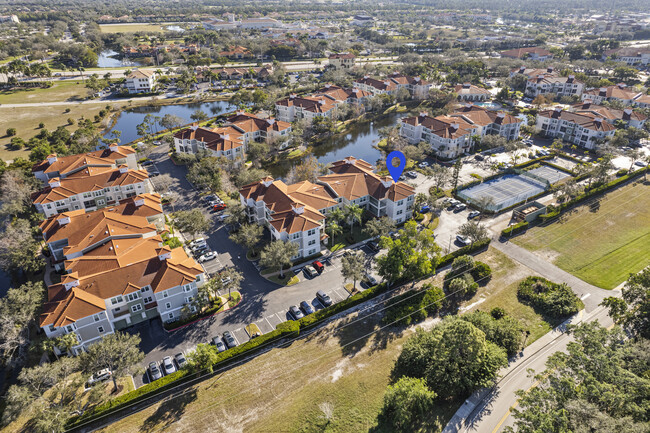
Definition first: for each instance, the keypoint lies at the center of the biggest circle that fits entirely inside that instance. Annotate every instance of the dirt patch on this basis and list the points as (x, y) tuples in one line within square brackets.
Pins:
[(548, 254)]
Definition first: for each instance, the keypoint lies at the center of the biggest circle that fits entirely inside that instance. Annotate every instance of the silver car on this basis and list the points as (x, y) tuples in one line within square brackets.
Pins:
[(168, 365)]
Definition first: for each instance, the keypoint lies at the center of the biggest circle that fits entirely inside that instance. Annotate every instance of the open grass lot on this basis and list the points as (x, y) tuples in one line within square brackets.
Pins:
[(281, 391), (601, 246), (130, 28), (60, 91), (501, 291), (26, 120)]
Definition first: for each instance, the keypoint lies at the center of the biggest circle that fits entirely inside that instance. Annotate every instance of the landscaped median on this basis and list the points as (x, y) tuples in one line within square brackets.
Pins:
[(222, 304), (285, 330)]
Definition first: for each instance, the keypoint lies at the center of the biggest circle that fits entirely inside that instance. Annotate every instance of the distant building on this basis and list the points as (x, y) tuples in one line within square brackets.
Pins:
[(141, 81), (237, 52), (64, 166), (619, 92), (249, 23), (583, 129), (532, 53), (470, 92), (552, 84), (611, 115), (534, 72), (9, 18), (418, 88), (342, 60), (362, 20), (629, 55)]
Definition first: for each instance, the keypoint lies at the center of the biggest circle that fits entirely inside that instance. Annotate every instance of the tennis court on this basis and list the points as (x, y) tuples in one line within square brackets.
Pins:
[(504, 191), (552, 175)]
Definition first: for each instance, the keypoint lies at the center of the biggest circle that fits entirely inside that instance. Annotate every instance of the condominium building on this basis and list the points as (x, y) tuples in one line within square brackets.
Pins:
[(342, 60), (90, 189), (141, 81), (73, 233), (418, 88), (298, 212), (553, 85), (451, 136), (619, 92), (305, 107), (629, 55), (611, 115), (118, 284), (533, 72), (582, 129)]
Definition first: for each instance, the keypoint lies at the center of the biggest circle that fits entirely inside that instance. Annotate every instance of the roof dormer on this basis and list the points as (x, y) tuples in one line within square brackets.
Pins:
[(386, 181), (51, 159), (63, 219), (113, 147), (267, 181), (70, 280), (139, 201), (55, 182), (298, 208), (270, 121), (123, 168)]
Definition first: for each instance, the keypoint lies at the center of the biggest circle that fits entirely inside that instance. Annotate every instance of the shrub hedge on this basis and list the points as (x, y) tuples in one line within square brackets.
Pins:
[(412, 307), (516, 229), (286, 329), (548, 298)]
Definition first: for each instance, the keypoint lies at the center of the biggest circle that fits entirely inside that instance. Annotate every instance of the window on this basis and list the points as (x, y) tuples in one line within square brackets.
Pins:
[(148, 300), (165, 294), (96, 317), (311, 232), (401, 202), (71, 327), (189, 299), (144, 289), (171, 315), (168, 306), (100, 329), (312, 242), (116, 300), (296, 235), (399, 212), (187, 288), (135, 308), (133, 296)]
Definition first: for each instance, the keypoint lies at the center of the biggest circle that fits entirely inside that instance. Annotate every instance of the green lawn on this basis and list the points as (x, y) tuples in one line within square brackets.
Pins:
[(281, 391), (601, 246), (130, 28), (61, 91)]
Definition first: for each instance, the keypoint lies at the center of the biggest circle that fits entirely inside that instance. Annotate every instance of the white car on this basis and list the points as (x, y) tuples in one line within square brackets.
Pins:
[(207, 256), (100, 376), (168, 365), (423, 164), (197, 242), (463, 240)]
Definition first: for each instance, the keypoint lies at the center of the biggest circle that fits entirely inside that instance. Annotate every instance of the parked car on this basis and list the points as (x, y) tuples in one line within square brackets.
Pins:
[(473, 214), (324, 298), (209, 255), (374, 245), (479, 157), (180, 360), (412, 174), (425, 208), (154, 173), (310, 271), (168, 365), (218, 341), (210, 197), (154, 371), (147, 162), (295, 313), (306, 307), (463, 240), (370, 280), (231, 341), (157, 143), (318, 266), (641, 164), (460, 207), (218, 207), (100, 376), (200, 250), (423, 164), (196, 242)]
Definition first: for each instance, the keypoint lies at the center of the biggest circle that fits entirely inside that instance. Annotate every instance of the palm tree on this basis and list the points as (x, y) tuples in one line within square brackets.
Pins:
[(353, 212), (334, 229), (336, 215)]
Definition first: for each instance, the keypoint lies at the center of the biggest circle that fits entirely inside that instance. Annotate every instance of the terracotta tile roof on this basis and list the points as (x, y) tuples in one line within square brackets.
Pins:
[(443, 126), (342, 56), (88, 180), (642, 99), (314, 104), (552, 78), (470, 89), (67, 306), (141, 73), (534, 72), (385, 85), (475, 115), (297, 220), (247, 122), (66, 164), (618, 91), (341, 94), (607, 112), (217, 139), (400, 78), (586, 120)]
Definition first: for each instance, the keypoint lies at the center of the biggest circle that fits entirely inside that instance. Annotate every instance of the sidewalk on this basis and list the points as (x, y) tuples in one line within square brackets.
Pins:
[(457, 422)]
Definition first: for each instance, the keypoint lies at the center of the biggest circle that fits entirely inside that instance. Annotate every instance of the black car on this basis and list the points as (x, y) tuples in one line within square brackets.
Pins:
[(295, 313), (374, 245), (306, 307), (230, 339), (147, 162), (154, 173), (324, 298)]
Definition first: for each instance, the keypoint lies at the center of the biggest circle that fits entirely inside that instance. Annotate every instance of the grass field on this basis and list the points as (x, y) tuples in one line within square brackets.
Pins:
[(281, 391), (131, 28), (61, 91), (601, 246)]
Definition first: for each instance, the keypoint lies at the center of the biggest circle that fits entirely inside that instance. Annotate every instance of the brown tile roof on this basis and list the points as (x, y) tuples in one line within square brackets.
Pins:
[(443, 126), (385, 85), (586, 120), (250, 123), (534, 72), (66, 164), (217, 139), (341, 94), (90, 179), (67, 306), (607, 112), (141, 73), (470, 89), (618, 91), (342, 56), (552, 78), (476, 115), (314, 104)]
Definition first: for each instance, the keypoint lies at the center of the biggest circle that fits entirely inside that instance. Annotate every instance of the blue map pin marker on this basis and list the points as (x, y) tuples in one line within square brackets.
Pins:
[(395, 172)]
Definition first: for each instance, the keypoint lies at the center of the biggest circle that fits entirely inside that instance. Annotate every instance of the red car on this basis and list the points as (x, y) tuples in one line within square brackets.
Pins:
[(318, 266), (218, 207)]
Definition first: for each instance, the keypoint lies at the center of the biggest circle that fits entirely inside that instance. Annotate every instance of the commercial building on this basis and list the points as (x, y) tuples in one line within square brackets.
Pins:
[(470, 92), (342, 60), (141, 81)]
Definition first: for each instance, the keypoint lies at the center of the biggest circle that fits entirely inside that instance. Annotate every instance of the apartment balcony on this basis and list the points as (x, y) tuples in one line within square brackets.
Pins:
[(120, 313)]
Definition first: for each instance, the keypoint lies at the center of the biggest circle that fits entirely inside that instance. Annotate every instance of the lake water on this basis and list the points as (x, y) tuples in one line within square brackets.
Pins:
[(130, 119), (358, 142), (107, 59)]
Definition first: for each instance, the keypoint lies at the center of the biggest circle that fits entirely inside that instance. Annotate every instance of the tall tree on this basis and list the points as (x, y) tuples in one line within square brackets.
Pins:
[(456, 172), (353, 267), (18, 248), (192, 221), (248, 236), (277, 254), (118, 352), (353, 213), (15, 192), (378, 227), (475, 231), (18, 314), (203, 357), (439, 174), (632, 311), (407, 405)]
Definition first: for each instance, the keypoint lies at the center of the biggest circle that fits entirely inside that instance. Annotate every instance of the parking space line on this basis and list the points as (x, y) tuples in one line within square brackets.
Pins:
[(267, 321)]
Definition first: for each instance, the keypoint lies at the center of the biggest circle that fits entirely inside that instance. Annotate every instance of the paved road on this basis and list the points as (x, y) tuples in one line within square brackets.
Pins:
[(493, 412), (264, 303)]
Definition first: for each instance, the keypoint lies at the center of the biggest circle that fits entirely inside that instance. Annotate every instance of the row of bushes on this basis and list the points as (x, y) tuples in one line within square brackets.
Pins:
[(515, 229), (170, 326), (559, 168), (554, 211), (285, 329), (548, 298), (412, 307)]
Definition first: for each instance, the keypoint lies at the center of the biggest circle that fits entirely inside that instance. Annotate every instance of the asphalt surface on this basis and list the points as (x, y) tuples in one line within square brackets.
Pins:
[(263, 302)]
